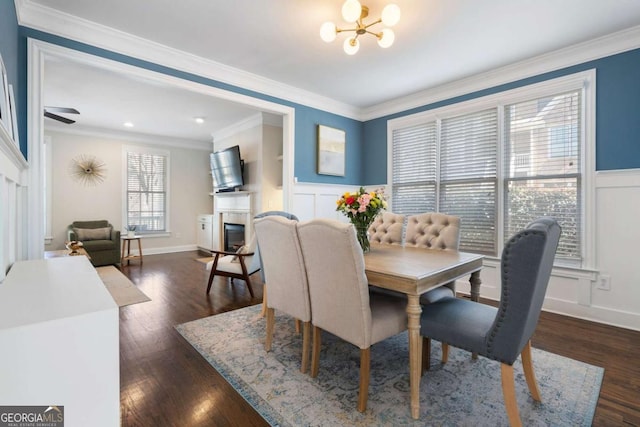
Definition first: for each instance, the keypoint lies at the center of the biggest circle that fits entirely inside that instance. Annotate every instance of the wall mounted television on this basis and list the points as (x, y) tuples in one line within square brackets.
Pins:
[(227, 169)]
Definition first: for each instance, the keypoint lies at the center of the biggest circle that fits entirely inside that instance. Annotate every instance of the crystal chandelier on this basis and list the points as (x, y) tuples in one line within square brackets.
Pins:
[(354, 12)]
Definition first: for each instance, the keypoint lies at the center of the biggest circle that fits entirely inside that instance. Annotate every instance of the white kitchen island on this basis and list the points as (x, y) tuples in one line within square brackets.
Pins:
[(59, 340)]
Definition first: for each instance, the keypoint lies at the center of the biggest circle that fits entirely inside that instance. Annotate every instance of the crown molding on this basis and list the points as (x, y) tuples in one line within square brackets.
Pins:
[(143, 138), (255, 120), (52, 21), (580, 53)]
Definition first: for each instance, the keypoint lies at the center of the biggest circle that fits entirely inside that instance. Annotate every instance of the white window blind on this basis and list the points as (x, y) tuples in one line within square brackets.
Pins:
[(146, 191), (468, 177), (542, 166), (500, 161), (414, 169)]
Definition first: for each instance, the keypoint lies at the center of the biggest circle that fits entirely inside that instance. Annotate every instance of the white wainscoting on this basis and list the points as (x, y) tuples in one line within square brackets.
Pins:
[(318, 200), (571, 292), (13, 202)]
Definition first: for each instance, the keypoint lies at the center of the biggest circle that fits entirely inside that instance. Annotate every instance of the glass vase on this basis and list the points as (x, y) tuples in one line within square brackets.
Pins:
[(362, 233)]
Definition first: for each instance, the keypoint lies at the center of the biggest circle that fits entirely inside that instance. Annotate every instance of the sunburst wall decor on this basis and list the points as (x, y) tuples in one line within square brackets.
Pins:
[(88, 170)]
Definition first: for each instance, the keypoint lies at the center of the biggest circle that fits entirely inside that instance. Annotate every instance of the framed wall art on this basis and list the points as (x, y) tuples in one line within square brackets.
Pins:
[(331, 151)]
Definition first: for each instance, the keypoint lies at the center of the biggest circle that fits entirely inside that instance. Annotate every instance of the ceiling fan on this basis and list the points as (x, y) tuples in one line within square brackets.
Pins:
[(49, 112)]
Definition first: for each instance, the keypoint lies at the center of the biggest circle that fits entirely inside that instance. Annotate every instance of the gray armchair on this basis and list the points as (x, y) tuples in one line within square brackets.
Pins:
[(503, 333), (99, 239)]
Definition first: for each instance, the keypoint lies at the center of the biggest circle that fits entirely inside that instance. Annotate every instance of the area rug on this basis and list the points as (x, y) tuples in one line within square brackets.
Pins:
[(205, 260), (462, 392), (123, 291)]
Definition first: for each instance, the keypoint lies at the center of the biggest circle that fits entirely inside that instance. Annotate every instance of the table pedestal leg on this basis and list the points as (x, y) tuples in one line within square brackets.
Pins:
[(415, 352), (475, 286), (475, 282)]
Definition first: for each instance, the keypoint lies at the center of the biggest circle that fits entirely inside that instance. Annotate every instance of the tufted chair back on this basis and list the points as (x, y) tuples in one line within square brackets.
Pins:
[(387, 229), (433, 230)]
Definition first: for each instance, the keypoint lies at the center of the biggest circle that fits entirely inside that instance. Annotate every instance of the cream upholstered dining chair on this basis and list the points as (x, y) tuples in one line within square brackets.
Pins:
[(503, 333), (235, 265), (284, 270), (387, 228), (339, 295), (257, 261), (434, 231)]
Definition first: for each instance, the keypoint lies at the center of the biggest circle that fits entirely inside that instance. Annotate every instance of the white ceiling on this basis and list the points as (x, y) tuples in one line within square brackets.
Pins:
[(437, 42), (107, 99)]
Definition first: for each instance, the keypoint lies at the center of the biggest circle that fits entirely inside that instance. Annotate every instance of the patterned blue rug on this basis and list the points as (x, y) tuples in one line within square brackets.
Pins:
[(464, 392)]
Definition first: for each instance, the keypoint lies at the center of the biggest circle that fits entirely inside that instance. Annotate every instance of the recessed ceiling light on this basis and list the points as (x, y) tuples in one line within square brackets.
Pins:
[(199, 120), (128, 124)]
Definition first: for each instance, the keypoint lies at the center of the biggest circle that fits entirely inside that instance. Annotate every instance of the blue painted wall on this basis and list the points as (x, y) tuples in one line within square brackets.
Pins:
[(617, 115), (306, 118), (12, 58)]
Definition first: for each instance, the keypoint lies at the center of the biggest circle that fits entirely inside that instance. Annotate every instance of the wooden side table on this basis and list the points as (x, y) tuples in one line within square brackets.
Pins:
[(126, 249)]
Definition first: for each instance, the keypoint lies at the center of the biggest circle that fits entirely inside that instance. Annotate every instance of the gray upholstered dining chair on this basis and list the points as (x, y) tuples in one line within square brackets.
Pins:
[(339, 295), (387, 228), (257, 261), (283, 268), (505, 332)]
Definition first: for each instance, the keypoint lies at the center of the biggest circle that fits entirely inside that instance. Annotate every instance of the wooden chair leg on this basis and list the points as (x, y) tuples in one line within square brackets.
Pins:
[(426, 354), (213, 273), (264, 301), (214, 265), (248, 282), (365, 364), (270, 323), (445, 353), (529, 374), (245, 277), (315, 352), (306, 331), (297, 326), (509, 392)]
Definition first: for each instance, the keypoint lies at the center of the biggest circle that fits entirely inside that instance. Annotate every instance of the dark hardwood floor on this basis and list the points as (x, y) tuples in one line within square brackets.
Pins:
[(165, 382)]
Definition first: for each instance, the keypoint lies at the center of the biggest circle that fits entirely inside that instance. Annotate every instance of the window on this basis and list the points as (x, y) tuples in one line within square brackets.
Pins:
[(499, 162), (550, 182), (146, 190)]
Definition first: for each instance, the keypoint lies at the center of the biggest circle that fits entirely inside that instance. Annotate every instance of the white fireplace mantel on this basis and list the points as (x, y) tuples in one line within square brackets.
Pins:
[(235, 207)]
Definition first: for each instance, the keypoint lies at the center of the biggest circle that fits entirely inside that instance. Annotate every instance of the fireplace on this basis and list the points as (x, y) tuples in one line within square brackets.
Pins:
[(233, 236)]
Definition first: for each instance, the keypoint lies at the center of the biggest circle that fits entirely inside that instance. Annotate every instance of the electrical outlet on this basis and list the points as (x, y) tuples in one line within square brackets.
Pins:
[(604, 282)]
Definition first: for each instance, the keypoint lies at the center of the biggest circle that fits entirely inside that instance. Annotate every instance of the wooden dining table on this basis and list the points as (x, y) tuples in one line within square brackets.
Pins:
[(414, 271)]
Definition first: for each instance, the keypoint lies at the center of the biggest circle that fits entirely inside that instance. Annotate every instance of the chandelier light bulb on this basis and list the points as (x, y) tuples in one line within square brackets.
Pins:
[(387, 38), (328, 32), (351, 46), (390, 15), (351, 10)]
